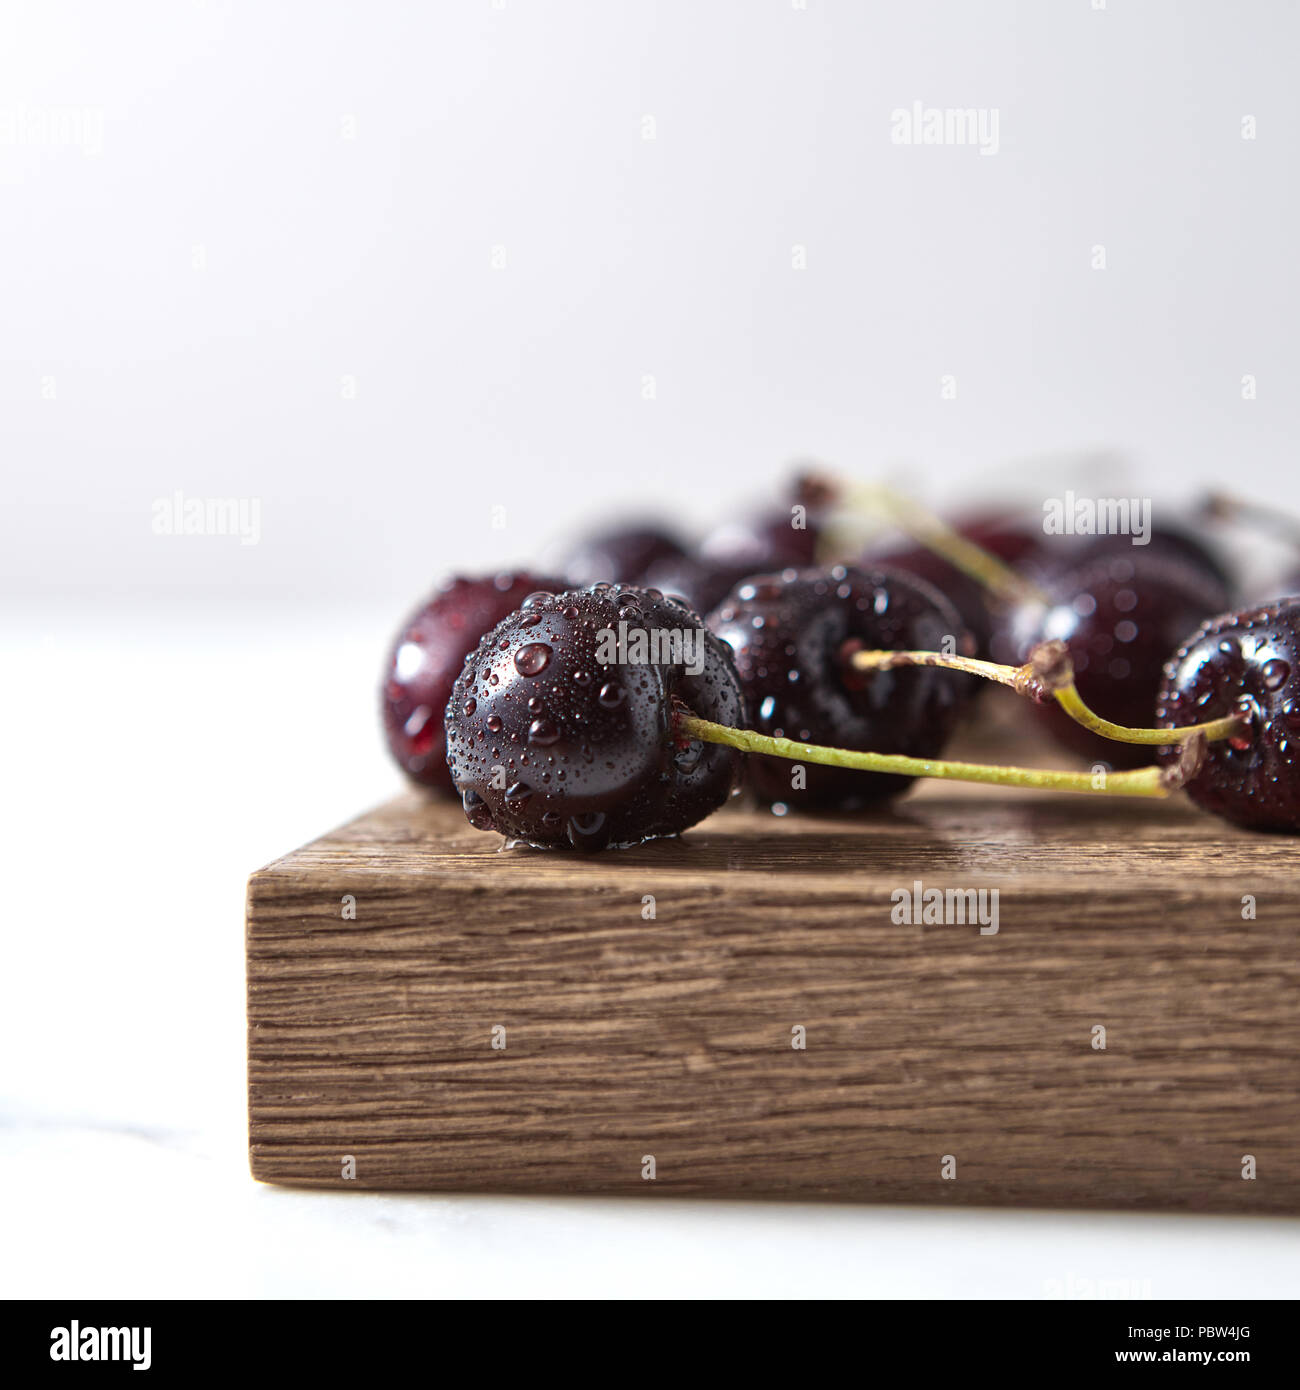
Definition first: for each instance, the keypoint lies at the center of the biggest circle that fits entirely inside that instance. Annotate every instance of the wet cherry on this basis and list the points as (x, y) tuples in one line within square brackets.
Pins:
[(427, 657), (1245, 663), (559, 734), (793, 635), (1010, 542), (1120, 617)]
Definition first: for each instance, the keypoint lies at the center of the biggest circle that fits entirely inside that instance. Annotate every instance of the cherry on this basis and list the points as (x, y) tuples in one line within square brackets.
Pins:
[(1119, 617), (1245, 663), (558, 741), (1174, 543), (619, 555), (793, 636), (425, 659), (1010, 542)]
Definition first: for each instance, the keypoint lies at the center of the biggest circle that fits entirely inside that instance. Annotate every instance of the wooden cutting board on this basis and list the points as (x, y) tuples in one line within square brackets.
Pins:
[(749, 1012)]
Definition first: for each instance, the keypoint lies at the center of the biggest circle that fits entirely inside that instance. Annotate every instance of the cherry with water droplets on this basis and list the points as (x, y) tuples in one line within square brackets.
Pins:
[(1119, 616), (793, 636), (1245, 663), (1014, 544), (586, 764)]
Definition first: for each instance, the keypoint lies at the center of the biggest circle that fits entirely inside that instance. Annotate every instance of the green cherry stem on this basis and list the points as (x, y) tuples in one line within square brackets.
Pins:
[(1049, 673), (923, 526), (1146, 781)]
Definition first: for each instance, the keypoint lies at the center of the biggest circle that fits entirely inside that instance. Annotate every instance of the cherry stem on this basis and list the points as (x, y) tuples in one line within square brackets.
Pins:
[(1146, 781), (935, 535), (1049, 673)]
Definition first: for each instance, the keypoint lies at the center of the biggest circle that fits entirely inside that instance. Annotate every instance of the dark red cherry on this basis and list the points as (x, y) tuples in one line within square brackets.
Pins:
[(427, 657), (559, 729), (1120, 618), (971, 601), (1009, 541), (1244, 663), (619, 554), (793, 636), (1167, 540)]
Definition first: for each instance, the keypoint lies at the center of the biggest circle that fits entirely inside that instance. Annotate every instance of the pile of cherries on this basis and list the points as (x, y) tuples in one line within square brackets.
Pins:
[(497, 689)]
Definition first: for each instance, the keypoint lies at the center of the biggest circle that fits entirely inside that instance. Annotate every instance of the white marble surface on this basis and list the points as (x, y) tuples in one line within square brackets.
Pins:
[(152, 758)]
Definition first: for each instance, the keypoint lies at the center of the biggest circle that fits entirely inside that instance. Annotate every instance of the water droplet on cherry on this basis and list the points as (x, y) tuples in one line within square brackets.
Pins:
[(532, 658), (1275, 674)]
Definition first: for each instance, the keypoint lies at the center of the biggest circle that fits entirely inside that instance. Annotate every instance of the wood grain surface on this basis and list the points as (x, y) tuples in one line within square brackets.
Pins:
[(930, 1049)]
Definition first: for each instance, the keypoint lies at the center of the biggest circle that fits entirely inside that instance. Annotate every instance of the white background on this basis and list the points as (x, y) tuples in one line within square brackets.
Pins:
[(256, 261)]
